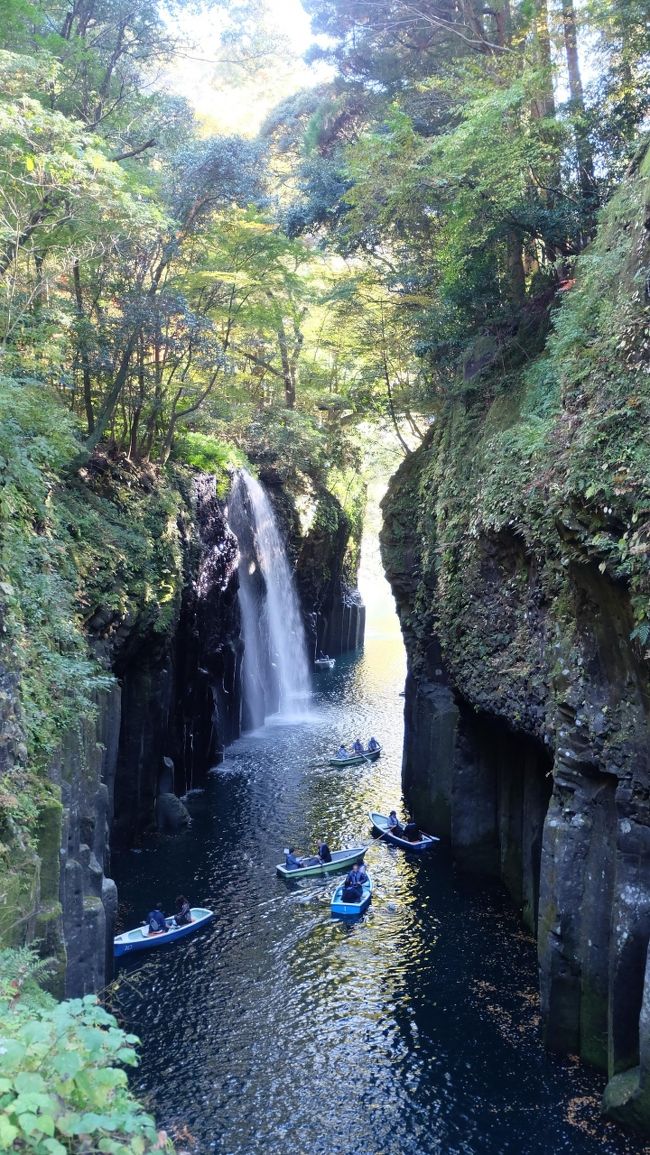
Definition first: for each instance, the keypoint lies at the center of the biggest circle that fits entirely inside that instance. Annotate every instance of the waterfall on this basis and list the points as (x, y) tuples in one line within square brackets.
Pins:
[(275, 671)]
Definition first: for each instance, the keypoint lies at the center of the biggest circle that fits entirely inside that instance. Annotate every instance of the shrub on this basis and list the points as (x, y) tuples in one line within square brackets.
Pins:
[(63, 1087)]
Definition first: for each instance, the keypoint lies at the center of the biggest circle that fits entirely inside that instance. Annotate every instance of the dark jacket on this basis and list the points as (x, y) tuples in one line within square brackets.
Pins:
[(157, 921), (355, 878), (183, 915)]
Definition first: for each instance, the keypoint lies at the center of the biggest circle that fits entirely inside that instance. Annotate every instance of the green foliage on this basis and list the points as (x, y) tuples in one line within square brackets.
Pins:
[(74, 551), (210, 456), (63, 1088), (543, 479), (58, 679), (349, 487)]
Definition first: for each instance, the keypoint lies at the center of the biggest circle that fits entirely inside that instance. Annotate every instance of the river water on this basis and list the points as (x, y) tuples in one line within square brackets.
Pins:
[(279, 1030)]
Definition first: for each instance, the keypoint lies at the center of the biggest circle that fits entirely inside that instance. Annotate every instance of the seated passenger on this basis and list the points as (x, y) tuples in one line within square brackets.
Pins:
[(412, 832), (290, 860), (357, 746), (393, 825), (183, 916), (353, 886), (157, 923), (362, 873), (342, 752), (373, 745), (324, 852)]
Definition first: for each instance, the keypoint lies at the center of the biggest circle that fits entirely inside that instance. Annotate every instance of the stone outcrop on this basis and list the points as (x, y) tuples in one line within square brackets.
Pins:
[(516, 543), (171, 814)]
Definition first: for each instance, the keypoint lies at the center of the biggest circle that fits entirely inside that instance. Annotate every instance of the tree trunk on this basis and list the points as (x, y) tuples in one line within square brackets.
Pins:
[(85, 364), (546, 100), (586, 175), (287, 376), (515, 272), (544, 109)]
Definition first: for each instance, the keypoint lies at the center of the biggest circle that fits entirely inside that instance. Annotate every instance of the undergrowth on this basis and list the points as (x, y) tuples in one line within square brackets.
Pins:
[(63, 1086)]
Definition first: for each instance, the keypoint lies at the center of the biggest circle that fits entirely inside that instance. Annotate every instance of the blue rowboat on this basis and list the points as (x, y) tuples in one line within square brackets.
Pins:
[(142, 939), (343, 909), (380, 823)]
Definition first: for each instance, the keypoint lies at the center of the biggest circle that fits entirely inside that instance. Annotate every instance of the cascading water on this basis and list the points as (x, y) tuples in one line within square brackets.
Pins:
[(275, 671)]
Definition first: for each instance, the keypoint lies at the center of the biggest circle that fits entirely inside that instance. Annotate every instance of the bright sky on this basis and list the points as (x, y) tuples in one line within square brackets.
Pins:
[(238, 105)]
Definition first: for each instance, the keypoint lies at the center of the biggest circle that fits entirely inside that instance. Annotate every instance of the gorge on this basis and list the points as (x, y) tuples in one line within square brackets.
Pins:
[(259, 262)]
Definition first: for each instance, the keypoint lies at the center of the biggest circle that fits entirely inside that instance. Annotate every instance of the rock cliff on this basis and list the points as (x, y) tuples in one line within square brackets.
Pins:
[(523, 590)]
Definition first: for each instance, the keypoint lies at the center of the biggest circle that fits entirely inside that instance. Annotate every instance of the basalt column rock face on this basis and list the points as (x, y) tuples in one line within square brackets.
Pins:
[(527, 749), (87, 895), (180, 695), (160, 617), (517, 543), (208, 647)]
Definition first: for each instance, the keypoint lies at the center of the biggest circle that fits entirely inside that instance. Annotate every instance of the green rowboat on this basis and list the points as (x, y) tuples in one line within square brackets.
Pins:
[(341, 860)]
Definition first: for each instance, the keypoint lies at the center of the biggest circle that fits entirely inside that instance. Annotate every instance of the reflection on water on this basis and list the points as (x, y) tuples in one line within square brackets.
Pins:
[(280, 1030)]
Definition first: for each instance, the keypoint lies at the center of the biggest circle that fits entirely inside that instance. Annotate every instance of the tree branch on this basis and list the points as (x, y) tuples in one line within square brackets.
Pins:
[(135, 151)]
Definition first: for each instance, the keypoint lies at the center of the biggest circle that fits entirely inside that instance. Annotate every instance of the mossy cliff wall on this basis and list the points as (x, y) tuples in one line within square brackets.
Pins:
[(120, 658), (523, 589)]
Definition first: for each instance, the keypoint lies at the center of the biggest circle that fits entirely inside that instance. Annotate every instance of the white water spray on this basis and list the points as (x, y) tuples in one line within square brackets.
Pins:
[(275, 668)]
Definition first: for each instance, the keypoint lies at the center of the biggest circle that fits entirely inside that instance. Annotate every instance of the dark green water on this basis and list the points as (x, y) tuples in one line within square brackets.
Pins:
[(279, 1030)]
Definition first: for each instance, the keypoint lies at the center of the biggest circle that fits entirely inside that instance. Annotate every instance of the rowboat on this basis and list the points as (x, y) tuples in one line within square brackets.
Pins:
[(357, 759), (343, 909), (380, 823), (141, 939), (324, 663), (341, 860)]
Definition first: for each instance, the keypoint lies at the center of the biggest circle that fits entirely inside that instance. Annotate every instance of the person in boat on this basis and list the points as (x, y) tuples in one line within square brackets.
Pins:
[(353, 885), (393, 826), (373, 745), (157, 922), (342, 752), (183, 916), (290, 859), (362, 872), (357, 746), (324, 852), (412, 832)]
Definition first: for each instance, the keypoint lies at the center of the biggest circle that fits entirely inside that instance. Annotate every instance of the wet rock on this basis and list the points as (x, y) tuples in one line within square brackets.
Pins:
[(172, 815)]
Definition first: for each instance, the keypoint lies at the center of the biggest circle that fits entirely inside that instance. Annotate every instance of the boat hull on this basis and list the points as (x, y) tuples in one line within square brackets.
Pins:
[(380, 823), (356, 759), (341, 860), (342, 909), (134, 940), (324, 664)]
